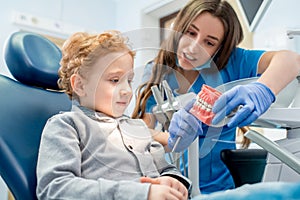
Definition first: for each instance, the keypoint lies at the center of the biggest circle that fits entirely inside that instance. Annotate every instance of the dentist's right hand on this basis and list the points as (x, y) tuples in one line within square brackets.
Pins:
[(184, 125)]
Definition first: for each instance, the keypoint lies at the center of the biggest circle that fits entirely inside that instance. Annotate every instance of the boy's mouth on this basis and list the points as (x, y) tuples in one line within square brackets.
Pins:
[(202, 108)]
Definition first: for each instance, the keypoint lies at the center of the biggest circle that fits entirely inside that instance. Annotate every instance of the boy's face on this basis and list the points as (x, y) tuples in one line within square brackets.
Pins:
[(107, 87)]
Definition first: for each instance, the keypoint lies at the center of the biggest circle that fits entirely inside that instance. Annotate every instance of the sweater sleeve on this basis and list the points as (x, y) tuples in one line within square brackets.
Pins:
[(165, 168), (59, 170)]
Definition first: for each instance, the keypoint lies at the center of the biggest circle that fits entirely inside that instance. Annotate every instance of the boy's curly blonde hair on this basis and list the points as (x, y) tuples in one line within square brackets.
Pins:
[(82, 50)]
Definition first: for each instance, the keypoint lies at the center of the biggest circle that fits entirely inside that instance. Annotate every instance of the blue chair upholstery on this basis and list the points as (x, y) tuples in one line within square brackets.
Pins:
[(26, 103), (33, 59)]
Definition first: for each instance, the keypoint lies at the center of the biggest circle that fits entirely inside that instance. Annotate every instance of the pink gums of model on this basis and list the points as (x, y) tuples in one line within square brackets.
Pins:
[(202, 108)]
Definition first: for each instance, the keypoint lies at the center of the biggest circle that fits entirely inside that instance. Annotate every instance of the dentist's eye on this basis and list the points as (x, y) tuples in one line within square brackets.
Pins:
[(130, 81), (210, 43), (130, 78), (190, 33)]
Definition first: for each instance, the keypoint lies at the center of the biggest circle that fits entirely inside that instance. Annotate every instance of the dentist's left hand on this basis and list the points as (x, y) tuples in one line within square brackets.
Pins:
[(255, 99), (184, 125)]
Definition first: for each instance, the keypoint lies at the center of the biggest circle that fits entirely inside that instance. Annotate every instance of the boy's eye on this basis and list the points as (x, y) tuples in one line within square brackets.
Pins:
[(115, 80)]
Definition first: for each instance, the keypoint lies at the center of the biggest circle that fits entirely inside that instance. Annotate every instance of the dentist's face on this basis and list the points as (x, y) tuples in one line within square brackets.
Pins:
[(108, 88), (200, 42)]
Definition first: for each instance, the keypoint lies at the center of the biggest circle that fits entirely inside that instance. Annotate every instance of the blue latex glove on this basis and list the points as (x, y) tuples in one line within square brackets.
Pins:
[(184, 125), (255, 98)]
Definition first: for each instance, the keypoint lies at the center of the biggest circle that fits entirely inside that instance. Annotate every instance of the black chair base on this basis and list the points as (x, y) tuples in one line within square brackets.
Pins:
[(245, 165)]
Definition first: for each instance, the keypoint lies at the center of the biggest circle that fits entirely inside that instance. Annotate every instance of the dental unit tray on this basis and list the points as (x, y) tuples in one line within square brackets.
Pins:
[(279, 152), (286, 118)]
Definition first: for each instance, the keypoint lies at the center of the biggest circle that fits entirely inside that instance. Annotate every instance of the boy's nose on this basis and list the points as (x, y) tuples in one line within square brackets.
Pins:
[(125, 89)]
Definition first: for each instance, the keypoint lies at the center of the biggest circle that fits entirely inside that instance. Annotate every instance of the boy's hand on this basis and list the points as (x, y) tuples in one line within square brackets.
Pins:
[(165, 187)]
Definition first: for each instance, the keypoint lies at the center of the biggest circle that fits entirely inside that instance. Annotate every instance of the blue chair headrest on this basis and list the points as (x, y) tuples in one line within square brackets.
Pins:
[(32, 59)]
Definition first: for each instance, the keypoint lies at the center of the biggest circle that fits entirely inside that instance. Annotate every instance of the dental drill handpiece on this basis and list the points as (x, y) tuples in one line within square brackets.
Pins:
[(170, 106), (159, 101), (176, 143), (173, 103)]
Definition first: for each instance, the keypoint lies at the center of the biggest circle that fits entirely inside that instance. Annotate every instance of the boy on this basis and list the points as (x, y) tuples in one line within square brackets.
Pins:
[(94, 151)]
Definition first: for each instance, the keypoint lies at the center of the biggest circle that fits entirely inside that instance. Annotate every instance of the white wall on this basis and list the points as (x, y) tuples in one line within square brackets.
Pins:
[(271, 32), (89, 15), (131, 16), (3, 190)]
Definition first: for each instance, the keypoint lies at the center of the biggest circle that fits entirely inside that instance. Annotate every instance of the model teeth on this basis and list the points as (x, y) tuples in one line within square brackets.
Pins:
[(202, 108), (204, 105)]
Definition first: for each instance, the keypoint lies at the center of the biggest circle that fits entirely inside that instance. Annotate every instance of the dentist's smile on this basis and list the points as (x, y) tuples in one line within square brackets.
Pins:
[(189, 57)]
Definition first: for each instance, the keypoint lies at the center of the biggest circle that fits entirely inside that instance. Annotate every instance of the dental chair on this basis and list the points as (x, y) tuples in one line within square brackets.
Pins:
[(27, 101)]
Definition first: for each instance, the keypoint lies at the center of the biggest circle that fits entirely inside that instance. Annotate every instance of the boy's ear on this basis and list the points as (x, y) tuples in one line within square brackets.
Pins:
[(77, 84)]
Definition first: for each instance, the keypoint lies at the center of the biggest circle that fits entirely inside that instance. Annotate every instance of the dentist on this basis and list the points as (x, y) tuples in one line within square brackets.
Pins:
[(203, 49)]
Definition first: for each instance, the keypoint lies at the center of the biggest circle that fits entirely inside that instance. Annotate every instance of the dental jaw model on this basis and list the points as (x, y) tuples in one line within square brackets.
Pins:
[(202, 108)]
